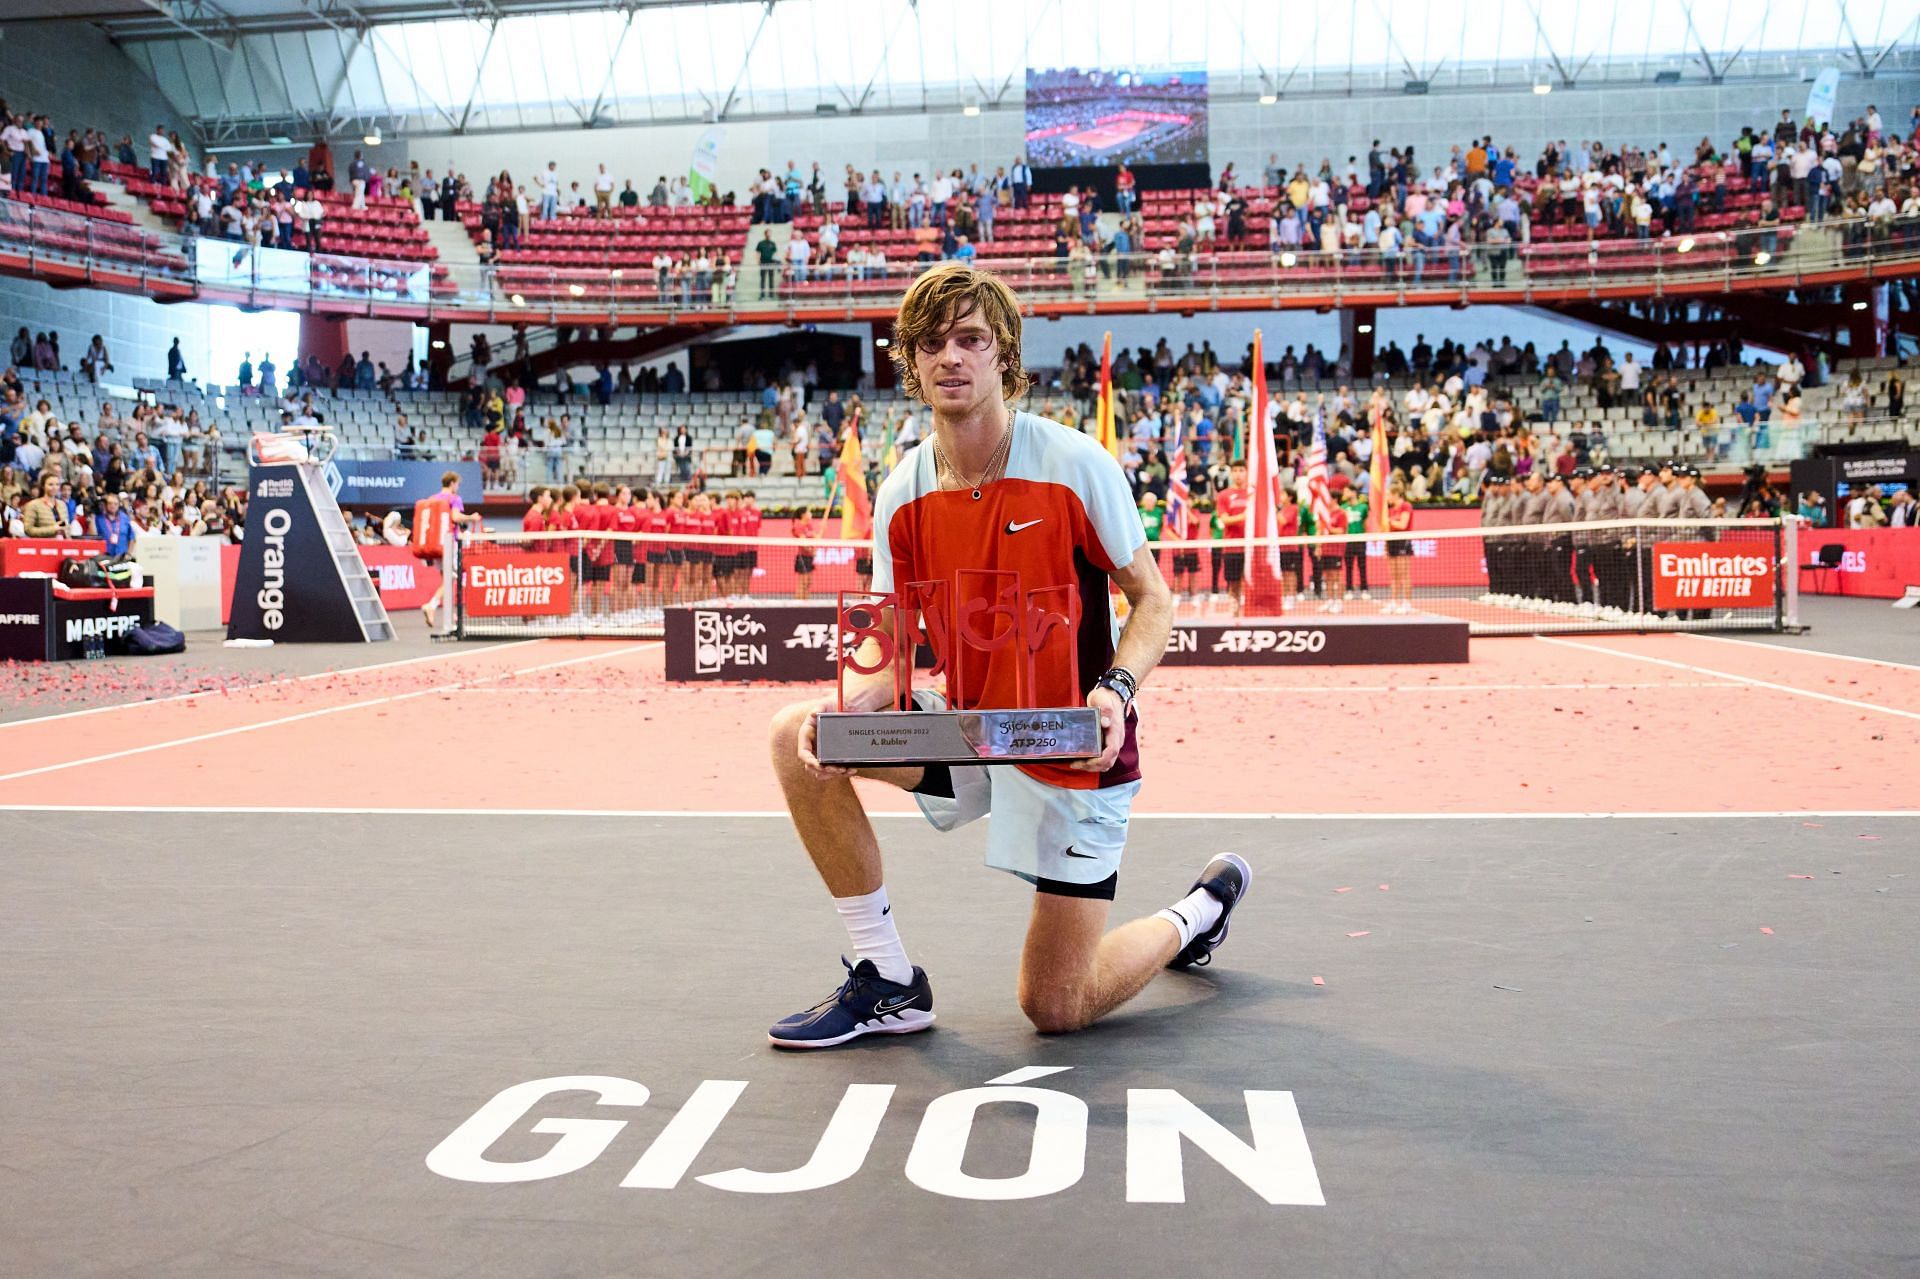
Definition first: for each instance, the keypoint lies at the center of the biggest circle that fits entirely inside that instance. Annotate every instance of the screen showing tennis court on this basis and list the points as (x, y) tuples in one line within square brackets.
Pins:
[(1099, 116)]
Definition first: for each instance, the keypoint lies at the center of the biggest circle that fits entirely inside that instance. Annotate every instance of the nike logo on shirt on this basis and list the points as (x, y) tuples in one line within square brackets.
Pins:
[(1015, 528), (1071, 853)]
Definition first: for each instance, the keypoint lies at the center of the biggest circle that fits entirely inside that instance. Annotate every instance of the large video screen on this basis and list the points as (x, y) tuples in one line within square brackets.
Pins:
[(1078, 117)]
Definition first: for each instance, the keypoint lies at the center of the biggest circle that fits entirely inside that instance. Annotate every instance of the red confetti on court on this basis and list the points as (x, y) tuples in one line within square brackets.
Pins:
[(1670, 724)]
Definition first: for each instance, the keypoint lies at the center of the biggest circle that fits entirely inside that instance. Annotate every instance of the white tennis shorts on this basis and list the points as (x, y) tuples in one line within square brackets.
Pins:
[(1039, 831)]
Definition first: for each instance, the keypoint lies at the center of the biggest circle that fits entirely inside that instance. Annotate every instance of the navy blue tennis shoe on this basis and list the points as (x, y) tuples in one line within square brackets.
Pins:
[(1228, 878), (865, 1004)]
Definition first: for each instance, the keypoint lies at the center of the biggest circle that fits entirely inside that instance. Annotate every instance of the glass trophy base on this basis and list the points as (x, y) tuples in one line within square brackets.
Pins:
[(884, 739)]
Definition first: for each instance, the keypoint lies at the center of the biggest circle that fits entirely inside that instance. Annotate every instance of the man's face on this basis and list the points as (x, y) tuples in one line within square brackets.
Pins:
[(959, 369)]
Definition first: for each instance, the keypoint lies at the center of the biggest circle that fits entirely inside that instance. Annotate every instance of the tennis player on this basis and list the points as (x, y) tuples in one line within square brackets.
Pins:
[(996, 488)]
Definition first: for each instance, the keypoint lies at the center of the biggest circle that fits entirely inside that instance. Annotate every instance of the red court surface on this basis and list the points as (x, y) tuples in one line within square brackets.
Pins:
[(1530, 727), (1106, 134)]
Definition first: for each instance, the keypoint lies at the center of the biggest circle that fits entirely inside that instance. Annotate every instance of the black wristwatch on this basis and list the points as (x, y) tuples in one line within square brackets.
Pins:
[(1122, 681)]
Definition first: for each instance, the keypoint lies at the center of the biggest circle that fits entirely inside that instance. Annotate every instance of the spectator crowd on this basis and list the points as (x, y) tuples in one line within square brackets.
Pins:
[(151, 472)]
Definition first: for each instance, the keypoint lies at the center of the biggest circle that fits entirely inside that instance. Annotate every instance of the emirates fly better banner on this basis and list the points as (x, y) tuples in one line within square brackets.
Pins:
[(1710, 575), (517, 584)]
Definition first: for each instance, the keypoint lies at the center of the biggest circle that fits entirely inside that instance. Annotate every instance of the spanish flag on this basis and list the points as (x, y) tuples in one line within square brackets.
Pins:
[(1377, 471), (856, 507), (1103, 415)]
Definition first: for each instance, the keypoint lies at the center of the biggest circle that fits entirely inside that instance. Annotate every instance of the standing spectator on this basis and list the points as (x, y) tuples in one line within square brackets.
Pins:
[(357, 174), (1022, 180), (683, 454), (550, 192), (769, 254), (662, 458), (14, 138), (159, 154), (39, 158), (603, 194)]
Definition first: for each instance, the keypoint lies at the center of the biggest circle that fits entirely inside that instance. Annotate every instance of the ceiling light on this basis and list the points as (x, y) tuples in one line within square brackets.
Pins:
[(1287, 259), (1859, 306), (438, 345), (1268, 99), (372, 139), (518, 299), (1686, 244), (577, 290), (1762, 258), (1543, 88), (1363, 328), (972, 108), (616, 273), (279, 140), (883, 343)]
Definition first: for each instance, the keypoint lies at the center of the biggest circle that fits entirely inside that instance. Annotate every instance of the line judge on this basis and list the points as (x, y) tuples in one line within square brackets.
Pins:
[(1001, 489)]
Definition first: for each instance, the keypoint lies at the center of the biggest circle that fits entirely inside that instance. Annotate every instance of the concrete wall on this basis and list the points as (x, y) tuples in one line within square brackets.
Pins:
[(137, 330), (76, 75)]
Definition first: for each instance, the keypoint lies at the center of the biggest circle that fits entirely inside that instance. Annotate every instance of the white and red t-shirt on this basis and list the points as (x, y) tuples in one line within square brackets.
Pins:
[(1062, 515)]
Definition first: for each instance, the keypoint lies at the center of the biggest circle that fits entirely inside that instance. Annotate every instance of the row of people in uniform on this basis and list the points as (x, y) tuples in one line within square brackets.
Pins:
[(617, 574), (1606, 572)]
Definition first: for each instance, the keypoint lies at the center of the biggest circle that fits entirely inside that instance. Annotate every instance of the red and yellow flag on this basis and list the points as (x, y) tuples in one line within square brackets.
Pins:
[(1377, 471), (856, 508), (1103, 414)]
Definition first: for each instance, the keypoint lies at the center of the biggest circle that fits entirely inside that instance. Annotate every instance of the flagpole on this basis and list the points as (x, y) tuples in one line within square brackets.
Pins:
[(1257, 409)]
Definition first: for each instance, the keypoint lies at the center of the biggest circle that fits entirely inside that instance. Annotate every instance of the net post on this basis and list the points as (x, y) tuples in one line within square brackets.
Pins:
[(1787, 547), (453, 598)]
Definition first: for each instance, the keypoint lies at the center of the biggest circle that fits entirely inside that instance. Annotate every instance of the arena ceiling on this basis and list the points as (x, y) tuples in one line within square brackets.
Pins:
[(246, 71)]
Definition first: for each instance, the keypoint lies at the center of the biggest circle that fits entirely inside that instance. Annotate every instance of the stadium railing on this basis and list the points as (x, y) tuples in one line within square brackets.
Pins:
[(1620, 575), (35, 240)]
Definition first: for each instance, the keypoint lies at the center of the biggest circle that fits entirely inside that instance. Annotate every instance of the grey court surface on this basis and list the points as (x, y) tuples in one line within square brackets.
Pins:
[(1563, 1048)]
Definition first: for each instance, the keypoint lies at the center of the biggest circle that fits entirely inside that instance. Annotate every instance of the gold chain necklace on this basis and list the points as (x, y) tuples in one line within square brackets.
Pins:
[(999, 454)]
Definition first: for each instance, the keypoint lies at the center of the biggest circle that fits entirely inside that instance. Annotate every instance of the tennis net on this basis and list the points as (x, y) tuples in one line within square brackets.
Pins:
[(1619, 575)]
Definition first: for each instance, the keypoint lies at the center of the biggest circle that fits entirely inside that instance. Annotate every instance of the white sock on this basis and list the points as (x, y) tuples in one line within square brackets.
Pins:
[(1193, 914), (869, 922)]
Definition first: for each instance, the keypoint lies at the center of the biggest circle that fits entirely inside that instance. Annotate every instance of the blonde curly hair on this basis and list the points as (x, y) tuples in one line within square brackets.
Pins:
[(942, 298)]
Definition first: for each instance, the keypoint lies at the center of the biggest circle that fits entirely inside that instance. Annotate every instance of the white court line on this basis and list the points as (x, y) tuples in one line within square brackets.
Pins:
[(313, 714), (1744, 679), (1810, 652), (771, 814), (269, 683)]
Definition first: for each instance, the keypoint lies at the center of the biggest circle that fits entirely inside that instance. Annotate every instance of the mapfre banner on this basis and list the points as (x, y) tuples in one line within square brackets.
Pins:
[(1710, 575), (517, 584)]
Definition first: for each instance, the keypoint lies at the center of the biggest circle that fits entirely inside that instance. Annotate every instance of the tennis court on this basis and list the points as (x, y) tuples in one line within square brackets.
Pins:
[(461, 964), (1108, 132)]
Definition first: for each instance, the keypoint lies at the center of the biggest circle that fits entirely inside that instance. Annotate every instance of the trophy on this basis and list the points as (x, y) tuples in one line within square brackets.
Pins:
[(950, 622)]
